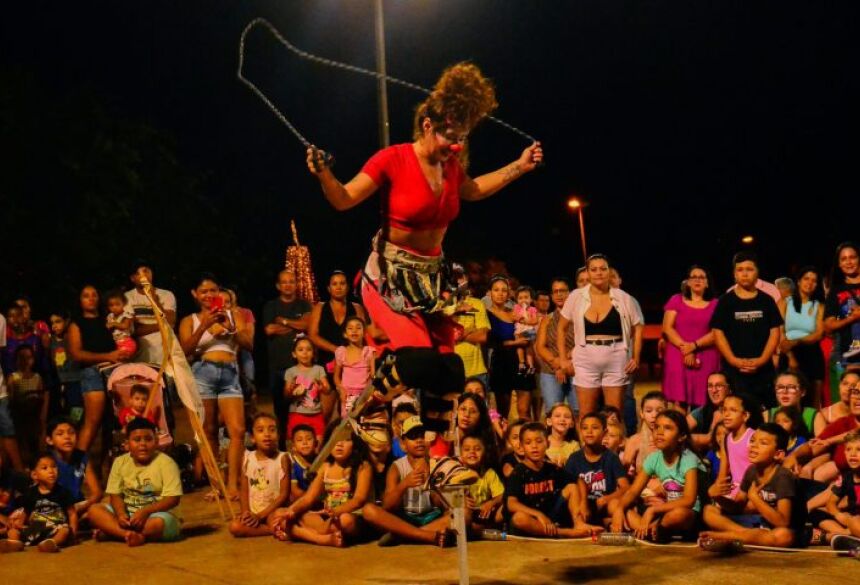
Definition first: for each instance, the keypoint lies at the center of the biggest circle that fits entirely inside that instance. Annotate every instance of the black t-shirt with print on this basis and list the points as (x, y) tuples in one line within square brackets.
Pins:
[(600, 477), (781, 486), (49, 508), (537, 489), (841, 300), (746, 323)]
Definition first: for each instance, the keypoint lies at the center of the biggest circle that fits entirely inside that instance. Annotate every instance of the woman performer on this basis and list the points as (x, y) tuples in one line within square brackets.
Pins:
[(424, 182)]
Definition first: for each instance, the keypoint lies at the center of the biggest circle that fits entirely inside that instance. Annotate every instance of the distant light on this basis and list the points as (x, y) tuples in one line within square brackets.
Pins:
[(574, 203), (747, 239)]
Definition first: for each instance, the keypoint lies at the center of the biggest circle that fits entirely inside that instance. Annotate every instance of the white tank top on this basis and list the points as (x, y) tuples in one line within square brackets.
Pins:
[(209, 342), (264, 479)]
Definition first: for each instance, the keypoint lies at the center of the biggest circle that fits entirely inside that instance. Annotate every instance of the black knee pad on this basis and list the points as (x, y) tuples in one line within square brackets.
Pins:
[(433, 372)]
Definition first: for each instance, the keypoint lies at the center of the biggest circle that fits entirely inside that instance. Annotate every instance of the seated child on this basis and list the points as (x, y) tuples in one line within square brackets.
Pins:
[(302, 453), (475, 385), (28, 401), (144, 485), (73, 465), (402, 411), (514, 448), (343, 484), (561, 442), (843, 506), (677, 468), (615, 437), (790, 418), (120, 322), (737, 411), (13, 485), (600, 476), (266, 485), (137, 400), (484, 501), (763, 511), (49, 520), (639, 446), (409, 510), (541, 498)]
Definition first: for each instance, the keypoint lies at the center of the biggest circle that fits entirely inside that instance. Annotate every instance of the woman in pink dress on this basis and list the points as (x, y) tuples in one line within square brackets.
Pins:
[(690, 355)]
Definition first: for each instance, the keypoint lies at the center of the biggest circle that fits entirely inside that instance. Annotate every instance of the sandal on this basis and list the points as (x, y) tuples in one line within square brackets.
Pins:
[(446, 538)]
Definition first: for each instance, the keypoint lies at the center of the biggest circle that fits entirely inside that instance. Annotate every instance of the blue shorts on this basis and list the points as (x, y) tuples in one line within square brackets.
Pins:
[(7, 426), (92, 380), (217, 380), (172, 526)]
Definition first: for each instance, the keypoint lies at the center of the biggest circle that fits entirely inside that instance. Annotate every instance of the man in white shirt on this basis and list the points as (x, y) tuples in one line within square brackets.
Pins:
[(146, 331)]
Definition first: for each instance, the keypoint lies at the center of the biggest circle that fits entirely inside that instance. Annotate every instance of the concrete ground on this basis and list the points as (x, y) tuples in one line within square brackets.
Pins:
[(209, 555)]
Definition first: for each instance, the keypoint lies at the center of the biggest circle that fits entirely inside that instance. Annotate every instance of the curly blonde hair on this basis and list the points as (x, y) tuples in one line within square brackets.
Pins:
[(461, 98)]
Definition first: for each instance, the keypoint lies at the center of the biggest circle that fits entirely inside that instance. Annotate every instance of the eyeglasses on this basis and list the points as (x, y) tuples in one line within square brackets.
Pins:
[(854, 392), (560, 291), (717, 386), (787, 388)]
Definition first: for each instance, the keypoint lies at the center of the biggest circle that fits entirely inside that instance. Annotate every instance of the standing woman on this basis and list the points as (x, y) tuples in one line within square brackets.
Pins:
[(326, 329), (214, 336), (90, 343), (607, 329), (554, 381), (505, 376), (842, 310), (690, 355), (803, 313), (423, 183)]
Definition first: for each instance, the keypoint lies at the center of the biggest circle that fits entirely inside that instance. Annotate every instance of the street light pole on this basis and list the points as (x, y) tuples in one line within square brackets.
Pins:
[(381, 87), (575, 204)]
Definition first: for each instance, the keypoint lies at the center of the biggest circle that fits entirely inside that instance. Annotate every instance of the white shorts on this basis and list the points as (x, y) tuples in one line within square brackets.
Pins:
[(599, 366)]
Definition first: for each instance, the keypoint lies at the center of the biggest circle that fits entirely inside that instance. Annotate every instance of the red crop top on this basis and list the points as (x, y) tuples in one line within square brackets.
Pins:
[(412, 205)]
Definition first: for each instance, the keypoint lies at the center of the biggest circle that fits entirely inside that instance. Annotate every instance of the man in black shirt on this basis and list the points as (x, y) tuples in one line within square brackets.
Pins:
[(746, 331), (284, 318)]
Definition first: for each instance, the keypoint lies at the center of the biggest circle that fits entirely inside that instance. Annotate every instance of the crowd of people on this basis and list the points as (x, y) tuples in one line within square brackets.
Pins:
[(742, 441), (525, 395)]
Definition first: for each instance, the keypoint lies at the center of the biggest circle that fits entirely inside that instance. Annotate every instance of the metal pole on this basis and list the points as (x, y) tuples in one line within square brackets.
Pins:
[(582, 234), (381, 88)]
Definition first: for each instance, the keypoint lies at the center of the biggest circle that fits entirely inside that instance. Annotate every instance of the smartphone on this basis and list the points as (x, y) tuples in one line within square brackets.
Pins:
[(217, 303)]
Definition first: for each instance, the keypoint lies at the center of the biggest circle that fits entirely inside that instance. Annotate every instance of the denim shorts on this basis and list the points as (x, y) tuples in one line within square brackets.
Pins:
[(217, 380), (7, 426), (172, 526), (92, 380)]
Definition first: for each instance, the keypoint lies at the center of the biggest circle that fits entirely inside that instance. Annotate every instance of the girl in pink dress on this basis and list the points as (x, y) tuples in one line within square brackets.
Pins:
[(690, 355), (354, 364)]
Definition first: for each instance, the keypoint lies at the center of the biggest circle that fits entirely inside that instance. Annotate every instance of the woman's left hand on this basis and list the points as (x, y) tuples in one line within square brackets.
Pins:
[(531, 157), (632, 366)]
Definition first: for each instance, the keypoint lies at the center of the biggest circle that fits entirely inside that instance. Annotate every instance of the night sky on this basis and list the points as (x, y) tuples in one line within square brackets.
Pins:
[(684, 124)]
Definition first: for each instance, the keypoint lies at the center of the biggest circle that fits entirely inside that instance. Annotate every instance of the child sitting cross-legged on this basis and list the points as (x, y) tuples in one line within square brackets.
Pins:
[(144, 486), (484, 500), (266, 484), (410, 511), (600, 476), (302, 453), (73, 465), (764, 510), (843, 507), (541, 498), (677, 469), (342, 484), (48, 519)]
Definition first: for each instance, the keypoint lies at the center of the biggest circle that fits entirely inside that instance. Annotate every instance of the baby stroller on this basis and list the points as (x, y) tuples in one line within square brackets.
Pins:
[(119, 385)]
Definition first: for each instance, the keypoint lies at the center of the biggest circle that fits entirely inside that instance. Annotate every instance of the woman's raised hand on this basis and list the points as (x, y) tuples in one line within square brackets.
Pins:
[(531, 157), (318, 160)]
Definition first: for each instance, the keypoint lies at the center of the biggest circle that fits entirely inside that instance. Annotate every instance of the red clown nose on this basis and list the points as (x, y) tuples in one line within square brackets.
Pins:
[(455, 148)]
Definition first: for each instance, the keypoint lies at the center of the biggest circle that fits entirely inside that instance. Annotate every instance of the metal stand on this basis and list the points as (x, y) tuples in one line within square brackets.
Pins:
[(455, 496)]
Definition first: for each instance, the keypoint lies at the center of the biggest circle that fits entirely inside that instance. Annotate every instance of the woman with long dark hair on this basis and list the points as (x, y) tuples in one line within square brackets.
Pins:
[(803, 313)]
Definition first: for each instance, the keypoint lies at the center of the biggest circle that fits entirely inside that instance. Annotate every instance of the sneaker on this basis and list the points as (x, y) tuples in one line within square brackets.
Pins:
[(853, 350)]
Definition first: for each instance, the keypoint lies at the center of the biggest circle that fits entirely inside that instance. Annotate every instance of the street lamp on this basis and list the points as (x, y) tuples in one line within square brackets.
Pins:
[(747, 240), (574, 204), (381, 87)]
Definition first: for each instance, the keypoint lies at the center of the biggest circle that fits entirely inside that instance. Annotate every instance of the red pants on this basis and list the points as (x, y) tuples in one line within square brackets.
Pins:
[(409, 330)]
